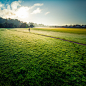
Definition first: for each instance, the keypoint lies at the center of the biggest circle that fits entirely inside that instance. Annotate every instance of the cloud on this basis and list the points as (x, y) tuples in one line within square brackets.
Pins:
[(8, 7), (15, 4), (1, 5), (16, 11), (23, 8), (38, 10), (47, 13), (7, 13), (37, 4)]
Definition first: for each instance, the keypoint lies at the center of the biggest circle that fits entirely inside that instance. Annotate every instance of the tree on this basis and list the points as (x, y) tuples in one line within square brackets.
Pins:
[(1, 25), (23, 25), (11, 25), (31, 25)]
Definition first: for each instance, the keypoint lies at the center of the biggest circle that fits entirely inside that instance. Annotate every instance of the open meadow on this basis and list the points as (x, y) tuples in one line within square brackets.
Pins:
[(66, 30), (28, 59), (76, 35)]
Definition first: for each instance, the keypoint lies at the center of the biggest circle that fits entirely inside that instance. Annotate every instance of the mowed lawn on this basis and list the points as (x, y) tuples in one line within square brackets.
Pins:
[(27, 59)]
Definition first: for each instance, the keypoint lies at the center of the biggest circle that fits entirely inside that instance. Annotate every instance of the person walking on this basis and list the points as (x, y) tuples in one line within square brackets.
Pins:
[(29, 29)]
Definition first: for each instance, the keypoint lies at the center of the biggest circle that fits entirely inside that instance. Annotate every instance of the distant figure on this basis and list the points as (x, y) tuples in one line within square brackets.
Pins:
[(29, 29)]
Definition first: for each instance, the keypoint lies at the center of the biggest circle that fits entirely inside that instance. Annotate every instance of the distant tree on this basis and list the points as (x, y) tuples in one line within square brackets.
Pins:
[(31, 25), (15, 26), (6, 24), (1, 25), (11, 25), (27, 26), (23, 25)]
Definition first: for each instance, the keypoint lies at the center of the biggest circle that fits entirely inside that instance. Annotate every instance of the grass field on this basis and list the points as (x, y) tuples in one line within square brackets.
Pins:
[(80, 38), (28, 59), (66, 30)]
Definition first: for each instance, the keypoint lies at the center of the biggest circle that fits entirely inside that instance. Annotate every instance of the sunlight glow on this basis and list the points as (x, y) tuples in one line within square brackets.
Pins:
[(22, 12)]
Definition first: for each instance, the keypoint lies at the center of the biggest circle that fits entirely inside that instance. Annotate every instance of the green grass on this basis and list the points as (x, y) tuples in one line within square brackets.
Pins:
[(80, 38), (32, 60)]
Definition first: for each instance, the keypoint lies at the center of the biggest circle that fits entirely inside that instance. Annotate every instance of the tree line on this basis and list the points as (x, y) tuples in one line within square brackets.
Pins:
[(70, 26), (14, 23)]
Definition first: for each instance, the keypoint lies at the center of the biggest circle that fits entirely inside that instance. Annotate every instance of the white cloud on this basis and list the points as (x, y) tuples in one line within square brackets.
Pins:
[(15, 4), (37, 4), (10, 13), (8, 7), (47, 13), (1, 5), (7, 13), (16, 11), (38, 10)]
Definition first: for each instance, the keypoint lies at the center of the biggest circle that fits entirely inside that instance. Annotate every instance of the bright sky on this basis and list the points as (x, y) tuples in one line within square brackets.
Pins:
[(48, 12)]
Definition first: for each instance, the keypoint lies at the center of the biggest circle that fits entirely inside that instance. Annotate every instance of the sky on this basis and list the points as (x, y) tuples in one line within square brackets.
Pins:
[(47, 12)]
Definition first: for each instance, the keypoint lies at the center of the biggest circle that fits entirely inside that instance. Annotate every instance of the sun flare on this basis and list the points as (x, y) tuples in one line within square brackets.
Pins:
[(22, 12)]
